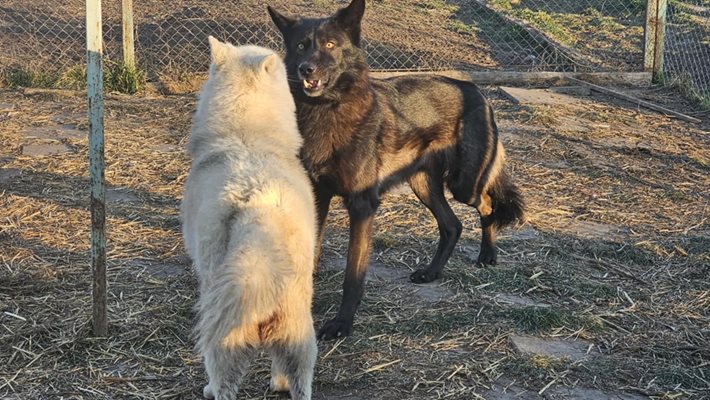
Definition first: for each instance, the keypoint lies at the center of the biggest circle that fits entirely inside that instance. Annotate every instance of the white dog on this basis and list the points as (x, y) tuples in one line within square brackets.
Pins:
[(249, 224)]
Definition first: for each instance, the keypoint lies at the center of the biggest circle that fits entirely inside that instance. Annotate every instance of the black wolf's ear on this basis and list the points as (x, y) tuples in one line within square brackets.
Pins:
[(350, 18), (283, 22)]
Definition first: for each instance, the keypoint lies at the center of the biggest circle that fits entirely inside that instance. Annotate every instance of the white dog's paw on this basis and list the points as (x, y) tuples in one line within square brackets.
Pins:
[(279, 383), (207, 392)]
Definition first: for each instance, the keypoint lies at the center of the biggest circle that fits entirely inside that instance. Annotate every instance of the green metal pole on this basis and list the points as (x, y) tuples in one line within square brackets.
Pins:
[(94, 77)]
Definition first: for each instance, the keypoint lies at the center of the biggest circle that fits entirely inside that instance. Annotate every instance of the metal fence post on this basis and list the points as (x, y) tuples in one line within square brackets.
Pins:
[(654, 37), (94, 77), (129, 55)]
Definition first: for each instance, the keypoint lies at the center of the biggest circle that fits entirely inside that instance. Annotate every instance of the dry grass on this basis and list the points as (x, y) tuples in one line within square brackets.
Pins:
[(618, 247)]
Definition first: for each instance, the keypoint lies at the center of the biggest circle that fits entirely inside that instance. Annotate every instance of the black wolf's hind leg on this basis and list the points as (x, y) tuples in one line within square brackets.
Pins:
[(429, 189), (489, 253)]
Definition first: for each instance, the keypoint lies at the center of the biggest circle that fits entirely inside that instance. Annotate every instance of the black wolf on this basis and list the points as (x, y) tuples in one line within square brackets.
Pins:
[(362, 136)]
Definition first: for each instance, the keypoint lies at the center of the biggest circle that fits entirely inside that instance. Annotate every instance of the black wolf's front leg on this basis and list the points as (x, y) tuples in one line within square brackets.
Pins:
[(361, 211), (323, 197)]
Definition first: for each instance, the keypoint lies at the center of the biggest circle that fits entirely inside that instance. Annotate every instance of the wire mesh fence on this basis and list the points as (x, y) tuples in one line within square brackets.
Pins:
[(47, 37), (687, 48), (415, 35)]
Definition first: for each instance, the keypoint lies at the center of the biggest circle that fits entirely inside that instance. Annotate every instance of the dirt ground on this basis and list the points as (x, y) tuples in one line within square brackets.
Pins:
[(602, 294)]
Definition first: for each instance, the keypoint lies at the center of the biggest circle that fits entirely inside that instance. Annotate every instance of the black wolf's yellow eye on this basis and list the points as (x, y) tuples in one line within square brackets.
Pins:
[(330, 45), (301, 46)]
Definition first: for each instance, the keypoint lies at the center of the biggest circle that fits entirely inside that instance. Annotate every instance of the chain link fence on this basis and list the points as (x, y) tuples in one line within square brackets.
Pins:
[(47, 37), (687, 48)]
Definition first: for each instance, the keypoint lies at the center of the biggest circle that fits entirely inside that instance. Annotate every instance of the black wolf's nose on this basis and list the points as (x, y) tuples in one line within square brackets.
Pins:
[(306, 69)]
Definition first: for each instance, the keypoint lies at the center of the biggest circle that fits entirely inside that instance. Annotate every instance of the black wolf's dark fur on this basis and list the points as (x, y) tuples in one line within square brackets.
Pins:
[(363, 136)]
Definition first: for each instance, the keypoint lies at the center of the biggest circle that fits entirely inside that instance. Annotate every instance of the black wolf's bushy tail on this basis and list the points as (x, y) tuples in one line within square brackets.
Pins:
[(508, 204)]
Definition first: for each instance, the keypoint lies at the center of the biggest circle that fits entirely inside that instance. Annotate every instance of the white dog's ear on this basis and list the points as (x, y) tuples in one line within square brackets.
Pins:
[(269, 63), (218, 51)]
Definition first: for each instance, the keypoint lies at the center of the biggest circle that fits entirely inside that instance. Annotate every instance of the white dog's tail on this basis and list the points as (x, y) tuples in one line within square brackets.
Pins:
[(238, 296)]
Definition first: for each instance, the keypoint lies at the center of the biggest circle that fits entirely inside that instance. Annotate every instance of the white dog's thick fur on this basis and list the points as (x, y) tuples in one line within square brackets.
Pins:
[(249, 224)]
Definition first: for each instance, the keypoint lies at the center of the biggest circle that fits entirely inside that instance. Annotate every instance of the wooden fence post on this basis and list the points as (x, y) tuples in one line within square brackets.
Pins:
[(654, 37), (95, 88), (129, 55)]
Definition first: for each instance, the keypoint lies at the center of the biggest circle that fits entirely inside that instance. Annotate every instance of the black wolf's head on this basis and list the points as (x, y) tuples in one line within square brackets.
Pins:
[(323, 55)]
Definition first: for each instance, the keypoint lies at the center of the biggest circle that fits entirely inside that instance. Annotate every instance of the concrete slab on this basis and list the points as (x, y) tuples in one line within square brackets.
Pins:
[(537, 96), (580, 393), (526, 232), (114, 195), (44, 149), (4, 107), (7, 174), (385, 273), (573, 350), (432, 292), (504, 390), (54, 132), (594, 230), (572, 90)]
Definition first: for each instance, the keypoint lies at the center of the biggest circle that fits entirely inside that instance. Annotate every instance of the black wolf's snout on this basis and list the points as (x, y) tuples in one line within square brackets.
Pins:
[(307, 69)]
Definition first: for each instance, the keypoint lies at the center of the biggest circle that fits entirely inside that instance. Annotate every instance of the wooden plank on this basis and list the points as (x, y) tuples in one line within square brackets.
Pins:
[(660, 40), (515, 77), (94, 77), (129, 54), (649, 42), (654, 37), (572, 90), (636, 100)]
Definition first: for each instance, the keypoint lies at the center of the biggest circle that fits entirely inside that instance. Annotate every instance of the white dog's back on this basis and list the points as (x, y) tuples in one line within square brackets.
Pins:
[(249, 223)]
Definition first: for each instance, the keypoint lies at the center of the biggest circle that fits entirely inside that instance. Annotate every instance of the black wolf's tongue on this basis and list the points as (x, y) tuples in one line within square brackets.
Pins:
[(309, 84)]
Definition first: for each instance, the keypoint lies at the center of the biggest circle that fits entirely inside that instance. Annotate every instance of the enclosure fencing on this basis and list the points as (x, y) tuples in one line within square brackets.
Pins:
[(45, 39)]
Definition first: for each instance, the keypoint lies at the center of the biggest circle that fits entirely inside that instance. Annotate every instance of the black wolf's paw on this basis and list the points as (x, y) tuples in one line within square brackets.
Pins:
[(423, 276), (488, 256), (334, 329)]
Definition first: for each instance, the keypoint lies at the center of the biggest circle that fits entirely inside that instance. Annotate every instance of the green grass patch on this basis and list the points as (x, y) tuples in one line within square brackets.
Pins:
[(73, 78), (551, 24), (435, 323), (532, 369), (684, 83), (595, 291), (436, 5), (461, 27), (383, 241), (543, 319), (23, 77), (117, 77), (495, 278), (123, 78)]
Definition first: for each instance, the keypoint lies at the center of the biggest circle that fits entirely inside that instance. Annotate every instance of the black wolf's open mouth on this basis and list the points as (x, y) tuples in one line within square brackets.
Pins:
[(314, 85)]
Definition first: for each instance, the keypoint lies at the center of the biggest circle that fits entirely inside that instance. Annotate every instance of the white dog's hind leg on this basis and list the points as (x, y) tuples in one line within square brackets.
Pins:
[(279, 380), (296, 361), (226, 369), (207, 392)]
